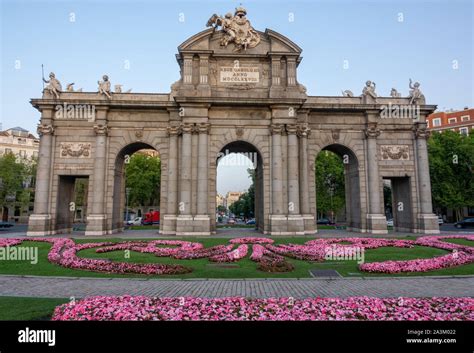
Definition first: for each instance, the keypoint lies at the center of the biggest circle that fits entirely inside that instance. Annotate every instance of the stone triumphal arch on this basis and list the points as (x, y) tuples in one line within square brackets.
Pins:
[(238, 90)]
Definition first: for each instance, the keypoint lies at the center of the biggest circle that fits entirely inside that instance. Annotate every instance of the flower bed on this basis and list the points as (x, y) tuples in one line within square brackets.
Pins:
[(274, 309), (461, 255), (268, 261), (151, 247), (63, 253), (269, 257), (251, 240), (232, 256)]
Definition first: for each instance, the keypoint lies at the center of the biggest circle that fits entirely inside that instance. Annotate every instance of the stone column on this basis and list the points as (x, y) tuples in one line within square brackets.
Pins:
[(203, 166), (291, 71), (168, 225), (187, 69), (39, 223), (185, 180), (96, 220), (276, 89), (293, 171), (204, 87), (427, 221), (277, 171), (173, 132), (376, 221), (309, 219), (303, 133)]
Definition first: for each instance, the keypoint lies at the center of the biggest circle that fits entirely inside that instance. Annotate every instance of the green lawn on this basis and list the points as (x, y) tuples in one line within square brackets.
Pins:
[(245, 268), (18, 308)]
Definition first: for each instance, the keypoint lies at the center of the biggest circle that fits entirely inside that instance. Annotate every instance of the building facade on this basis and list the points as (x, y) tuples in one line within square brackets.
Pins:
[(461, 121), (20, 142), (238, 92), (24, 146)]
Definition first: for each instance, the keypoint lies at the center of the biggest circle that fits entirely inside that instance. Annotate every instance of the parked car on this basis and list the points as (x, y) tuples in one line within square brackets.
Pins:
[(390, 222), (135, 222), (250, 221), (465, 223), (231, 221), (324, 221), (440, 220), (6, 224)]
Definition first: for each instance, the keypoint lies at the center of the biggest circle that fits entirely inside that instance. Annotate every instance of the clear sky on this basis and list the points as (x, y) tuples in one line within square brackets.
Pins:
[(134, 42)]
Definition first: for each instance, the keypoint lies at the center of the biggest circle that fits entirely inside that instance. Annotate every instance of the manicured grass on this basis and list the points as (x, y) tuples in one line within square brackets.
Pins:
[(18, 308), (245, 268)]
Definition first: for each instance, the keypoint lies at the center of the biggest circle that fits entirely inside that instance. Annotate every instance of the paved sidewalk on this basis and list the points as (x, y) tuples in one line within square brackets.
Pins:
[(65, 287)]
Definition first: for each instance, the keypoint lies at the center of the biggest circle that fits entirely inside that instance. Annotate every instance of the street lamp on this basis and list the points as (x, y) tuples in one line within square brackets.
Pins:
[(127, 194)]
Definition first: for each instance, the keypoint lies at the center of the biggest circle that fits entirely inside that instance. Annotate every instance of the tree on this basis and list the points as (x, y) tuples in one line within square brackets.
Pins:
[(330, 183), (246, 203), (451, 157), (143, 177), (13, 174)]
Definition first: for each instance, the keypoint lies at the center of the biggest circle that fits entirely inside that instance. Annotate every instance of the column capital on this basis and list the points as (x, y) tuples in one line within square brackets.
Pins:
[(372, 131), (101, 129), (303, 130), (203, 128), (45, 129), (291, 129), (420, 131), (187, 128), (173, 130), (276, 129)]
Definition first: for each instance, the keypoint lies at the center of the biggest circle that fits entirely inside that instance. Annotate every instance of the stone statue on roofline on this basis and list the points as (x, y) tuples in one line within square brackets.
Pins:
[(416, 96), (395, 94), (104, 87), (369, 90), (54, 86)]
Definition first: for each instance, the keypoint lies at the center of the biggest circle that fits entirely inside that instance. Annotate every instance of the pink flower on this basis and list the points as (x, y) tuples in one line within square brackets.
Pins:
[(272, 309)]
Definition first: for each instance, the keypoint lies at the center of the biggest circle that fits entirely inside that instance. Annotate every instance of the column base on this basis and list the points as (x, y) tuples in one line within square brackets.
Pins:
[(309, 224), (96, 225), (187, 225), (427, 224), (168, 224), (39, 225), (376, 224), (287, 225)]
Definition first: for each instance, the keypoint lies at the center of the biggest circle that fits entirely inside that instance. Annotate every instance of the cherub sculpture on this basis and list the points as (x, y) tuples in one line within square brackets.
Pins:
[(104, 86), (415, 95), (369, 90)]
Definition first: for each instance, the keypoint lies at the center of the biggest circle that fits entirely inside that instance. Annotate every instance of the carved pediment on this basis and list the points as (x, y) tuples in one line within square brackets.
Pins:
[(232, 59), (210, 39)]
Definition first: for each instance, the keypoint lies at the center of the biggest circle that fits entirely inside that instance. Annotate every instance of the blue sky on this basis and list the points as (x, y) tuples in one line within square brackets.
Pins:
[(425, 46)]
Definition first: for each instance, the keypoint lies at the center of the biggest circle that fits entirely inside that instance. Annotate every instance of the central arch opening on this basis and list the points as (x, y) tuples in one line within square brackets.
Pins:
[(239, 187), (137, 187), (337, 188)]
